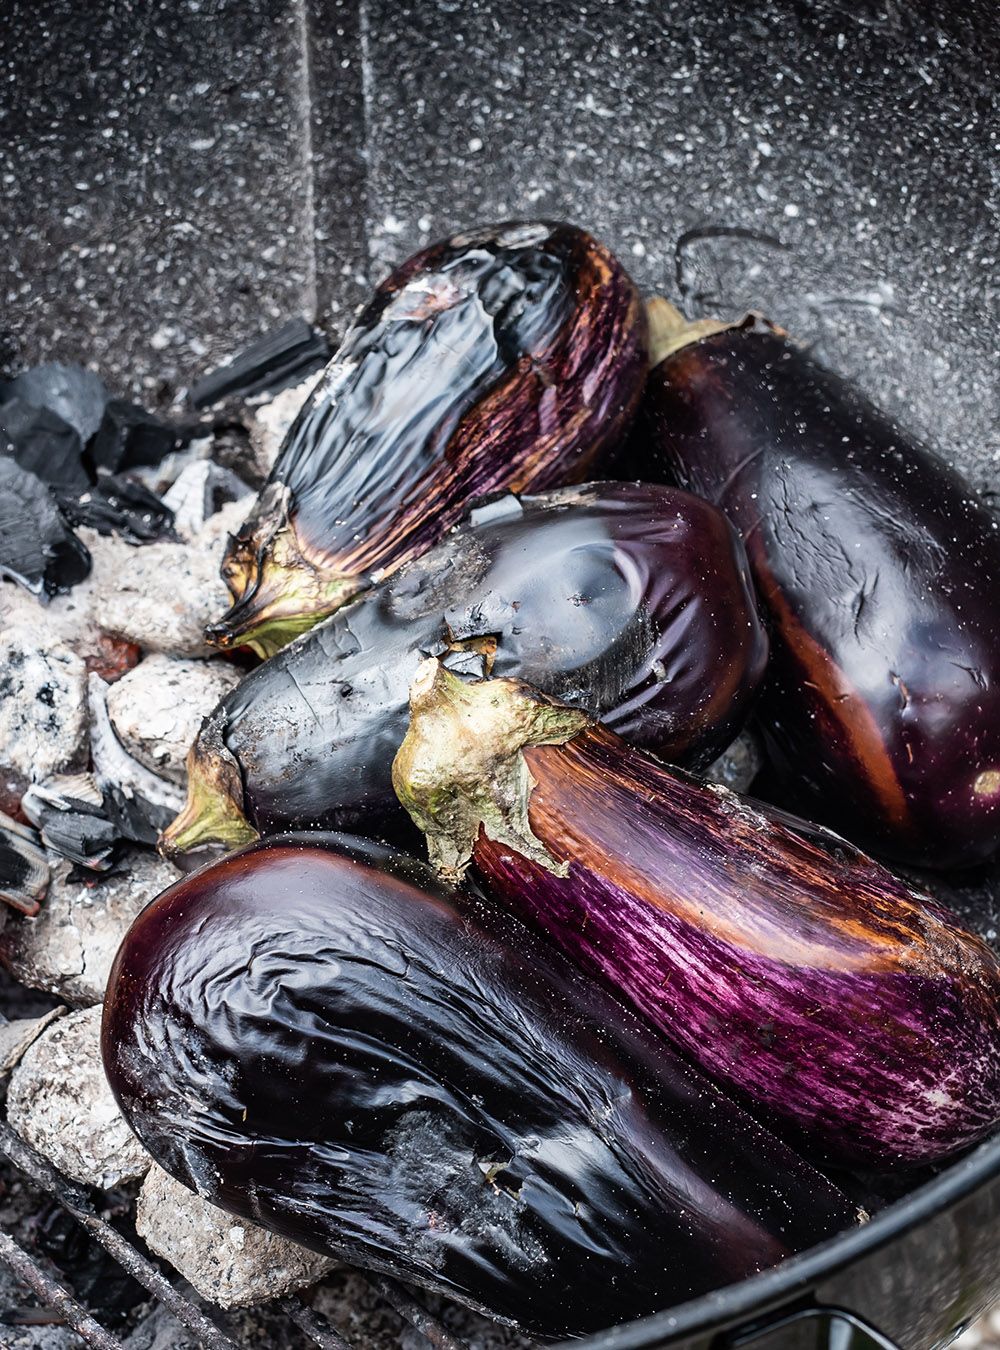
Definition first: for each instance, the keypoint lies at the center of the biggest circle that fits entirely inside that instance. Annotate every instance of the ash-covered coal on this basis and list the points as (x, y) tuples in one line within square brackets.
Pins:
[(157, 708), (230, 1261), (59, 1102), (67, 950)]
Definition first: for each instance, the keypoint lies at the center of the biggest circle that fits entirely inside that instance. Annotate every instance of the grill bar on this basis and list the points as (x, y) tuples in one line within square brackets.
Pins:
[(418, 1317), (75, 1202), (55, 1296), (315, 1327)]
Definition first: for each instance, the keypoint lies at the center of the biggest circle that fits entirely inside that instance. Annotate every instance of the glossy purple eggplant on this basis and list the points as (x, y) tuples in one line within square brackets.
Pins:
[(315, 1036), (509, 358), (880, 572), (632, 601), (788, 965)]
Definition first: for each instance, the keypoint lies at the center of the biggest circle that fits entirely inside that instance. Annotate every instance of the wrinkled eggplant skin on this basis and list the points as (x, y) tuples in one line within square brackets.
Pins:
[(512, 358), (789, 966), (632, 601), (879, 571), (315, 1036)]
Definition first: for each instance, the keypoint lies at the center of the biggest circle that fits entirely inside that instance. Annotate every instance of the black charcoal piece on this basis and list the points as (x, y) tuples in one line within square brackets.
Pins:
[(280, 358), (24, 871), (44, 444), (130, 438), (37, 548), (70, 813), (119, 505), (76, 395)]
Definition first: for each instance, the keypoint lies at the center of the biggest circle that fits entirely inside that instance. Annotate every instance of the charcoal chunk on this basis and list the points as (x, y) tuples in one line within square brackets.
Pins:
[(24, 871), (119, 505), (37, 548), (130, 438), (75, 394), (279, 358), (70, 814), (41, 442)]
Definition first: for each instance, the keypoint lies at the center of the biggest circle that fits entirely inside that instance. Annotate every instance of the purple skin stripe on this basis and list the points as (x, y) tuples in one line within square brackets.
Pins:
[(881, 1041)]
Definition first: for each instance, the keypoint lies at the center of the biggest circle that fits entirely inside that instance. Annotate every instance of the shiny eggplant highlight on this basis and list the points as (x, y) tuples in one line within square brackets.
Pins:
[(510, 358), (879, 570), (315, 1036), (788, 965), (633, 601)]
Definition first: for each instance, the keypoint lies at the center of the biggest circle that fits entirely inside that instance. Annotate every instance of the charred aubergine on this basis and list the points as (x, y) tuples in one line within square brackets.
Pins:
[(788, 965), (512, 357), (313, 1035), (880, 571), (632, 601)]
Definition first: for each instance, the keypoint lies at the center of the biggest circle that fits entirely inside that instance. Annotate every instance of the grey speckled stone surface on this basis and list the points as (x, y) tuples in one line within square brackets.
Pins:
[(153, 165), (862, 136)]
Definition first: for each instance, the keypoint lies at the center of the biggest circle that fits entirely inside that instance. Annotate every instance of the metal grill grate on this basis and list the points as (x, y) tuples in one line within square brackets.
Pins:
[(209, 1330)]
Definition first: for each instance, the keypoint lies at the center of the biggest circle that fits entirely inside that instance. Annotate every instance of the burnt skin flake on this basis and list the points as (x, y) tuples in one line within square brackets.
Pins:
[(512, 359), (315, 1036), (879, 570), (790, 966)]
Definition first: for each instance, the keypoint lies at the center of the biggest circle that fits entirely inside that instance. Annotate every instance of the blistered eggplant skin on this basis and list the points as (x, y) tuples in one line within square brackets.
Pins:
[(510, 358), (880, 573), (314, 1036), (789, 966), (631, 600)]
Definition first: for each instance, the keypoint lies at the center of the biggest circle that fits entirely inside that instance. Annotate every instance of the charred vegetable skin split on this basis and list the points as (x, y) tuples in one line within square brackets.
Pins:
[(880, 572), (509, 358), (786, 964), (633, 601), (430, 1091)]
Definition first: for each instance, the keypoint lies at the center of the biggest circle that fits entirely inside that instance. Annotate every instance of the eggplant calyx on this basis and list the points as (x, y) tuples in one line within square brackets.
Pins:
[(460, 767), (278, 590), (213, 812), (669, 331)]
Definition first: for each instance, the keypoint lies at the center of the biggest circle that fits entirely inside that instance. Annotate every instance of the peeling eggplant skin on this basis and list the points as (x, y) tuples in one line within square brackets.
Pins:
[(512, 359), (792, 968), (316, 1037), (633, 601), (879, 571)]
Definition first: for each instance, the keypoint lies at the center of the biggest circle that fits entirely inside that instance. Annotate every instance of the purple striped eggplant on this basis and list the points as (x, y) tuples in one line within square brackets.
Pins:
[(508, 359), (632, 601), (788, 965), (880, 572), (315, 1036)]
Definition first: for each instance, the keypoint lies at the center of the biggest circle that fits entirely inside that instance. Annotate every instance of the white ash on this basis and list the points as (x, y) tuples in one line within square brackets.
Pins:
[(738, 765), (144, 802), (230, 1261), (68, 949), (162, 595), (60, 1103), (65, 619), (157, 707), (271, 421), (16, 1036), (201, 489), (43, 702)]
